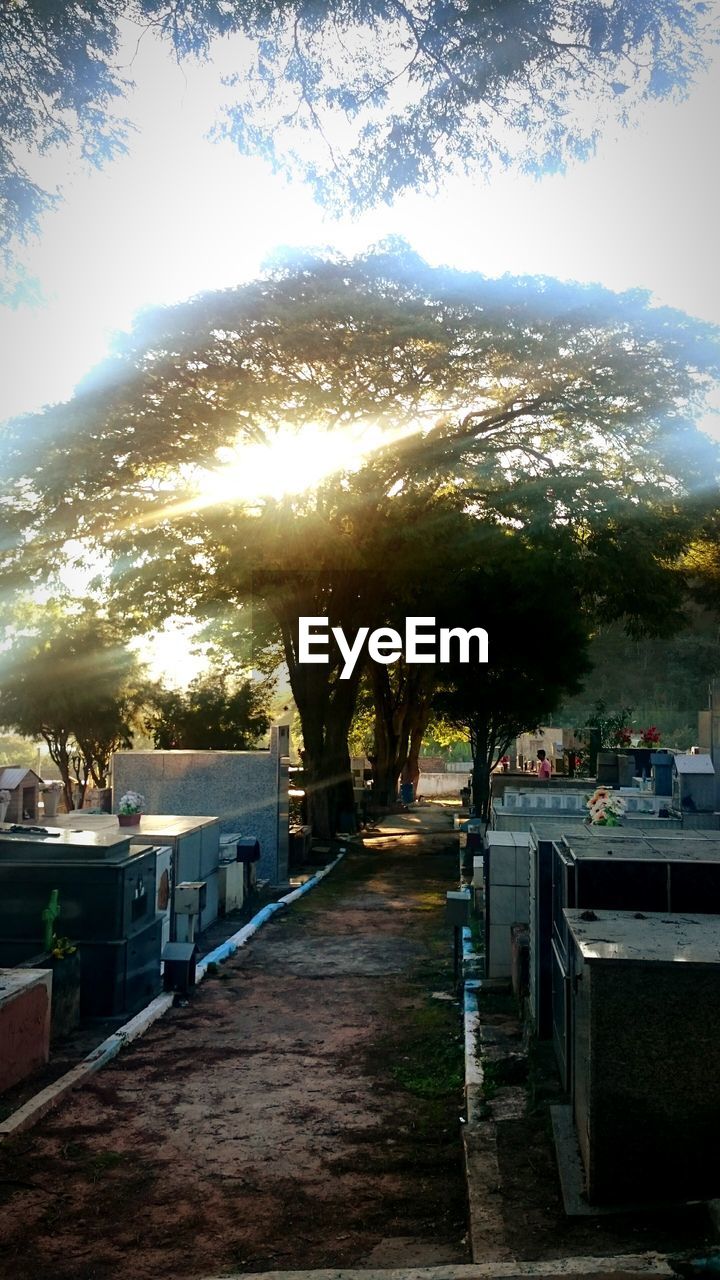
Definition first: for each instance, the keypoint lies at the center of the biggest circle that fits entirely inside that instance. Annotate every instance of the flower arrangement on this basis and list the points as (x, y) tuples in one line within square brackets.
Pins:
[(605, 808), (650, 737), (622, 737), (131, 802), (62, 947)]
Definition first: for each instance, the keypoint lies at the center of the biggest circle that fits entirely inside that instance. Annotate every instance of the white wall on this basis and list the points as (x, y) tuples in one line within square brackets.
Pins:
[(246, 790), (441, 784)]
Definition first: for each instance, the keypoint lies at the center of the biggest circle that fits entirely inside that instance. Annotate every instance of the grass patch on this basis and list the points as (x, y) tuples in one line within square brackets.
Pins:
[(102, 1162), (429, 1062), (353, 871), (490, 1081), (94, 1165), (433, 1069)]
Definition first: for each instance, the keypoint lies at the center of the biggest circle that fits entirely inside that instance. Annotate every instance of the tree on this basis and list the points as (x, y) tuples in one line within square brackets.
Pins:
[(68, 678), (214, 713), (560, 411), (665, 679), (393, 95), (535, 613), (396, 96)]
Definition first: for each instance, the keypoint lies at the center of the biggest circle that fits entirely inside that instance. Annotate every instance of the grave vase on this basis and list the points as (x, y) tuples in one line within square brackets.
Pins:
[(51, 800), (129, 819)]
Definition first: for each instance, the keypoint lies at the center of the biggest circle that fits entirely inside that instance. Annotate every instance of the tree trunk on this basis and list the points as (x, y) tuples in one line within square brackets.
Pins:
[(326, 710), (401, 718), (388, 737), (421, 719), (328, 790), (57, 745), (325, 702), (489, 742), (481, 787)]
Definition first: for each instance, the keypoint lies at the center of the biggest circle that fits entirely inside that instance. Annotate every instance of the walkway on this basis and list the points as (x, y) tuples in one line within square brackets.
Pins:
[(301, 1112)]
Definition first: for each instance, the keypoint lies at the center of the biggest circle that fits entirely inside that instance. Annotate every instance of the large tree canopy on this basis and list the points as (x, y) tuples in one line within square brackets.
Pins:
[(364, 100), (400, 94), (546, 403), (523, 405)]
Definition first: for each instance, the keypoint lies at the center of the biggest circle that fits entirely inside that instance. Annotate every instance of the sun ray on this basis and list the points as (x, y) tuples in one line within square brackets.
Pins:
[(289, 464)]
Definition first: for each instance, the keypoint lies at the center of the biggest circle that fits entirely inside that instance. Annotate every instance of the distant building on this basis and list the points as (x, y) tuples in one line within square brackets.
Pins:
[(24, 787)]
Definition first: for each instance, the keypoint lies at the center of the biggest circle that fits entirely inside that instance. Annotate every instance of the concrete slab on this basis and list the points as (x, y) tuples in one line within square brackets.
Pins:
[(630, 1266), (487, 1229)]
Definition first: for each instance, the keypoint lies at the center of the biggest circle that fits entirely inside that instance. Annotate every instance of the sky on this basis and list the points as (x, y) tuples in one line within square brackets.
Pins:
[(181, 214)]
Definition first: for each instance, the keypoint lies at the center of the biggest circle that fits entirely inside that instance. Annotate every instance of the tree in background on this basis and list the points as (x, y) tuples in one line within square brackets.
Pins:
[(214, 713), (665, 679), (364, 101), (538, 633), (68, 678), (562, 412)]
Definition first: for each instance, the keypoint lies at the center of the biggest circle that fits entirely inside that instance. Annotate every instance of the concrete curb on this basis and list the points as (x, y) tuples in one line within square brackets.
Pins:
[(482, 1172), (636, 1265), (473, 1065), (472, 986), (30, 1112)]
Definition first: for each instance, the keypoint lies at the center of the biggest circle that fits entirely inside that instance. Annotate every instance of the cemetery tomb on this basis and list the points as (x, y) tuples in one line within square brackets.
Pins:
[(506, 880), (107, 893), (245, 791), (543, 837), (195, 845), (165, 881), (645, 993), (518, 809), (540, 924), (611, 869), (25, 996), (693, 782)]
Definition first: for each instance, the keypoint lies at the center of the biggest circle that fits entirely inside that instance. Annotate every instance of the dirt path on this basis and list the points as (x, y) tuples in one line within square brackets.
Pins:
[(302, 1111)]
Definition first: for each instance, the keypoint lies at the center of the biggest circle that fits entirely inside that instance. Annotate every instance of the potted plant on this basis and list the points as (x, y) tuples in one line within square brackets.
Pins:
[(4, 802), (130, 809)]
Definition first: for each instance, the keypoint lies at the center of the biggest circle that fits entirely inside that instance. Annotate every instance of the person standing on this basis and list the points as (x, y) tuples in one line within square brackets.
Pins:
[(544, 768)]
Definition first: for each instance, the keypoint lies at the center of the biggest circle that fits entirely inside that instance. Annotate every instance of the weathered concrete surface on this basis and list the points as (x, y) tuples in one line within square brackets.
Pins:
[(627, 1266)]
